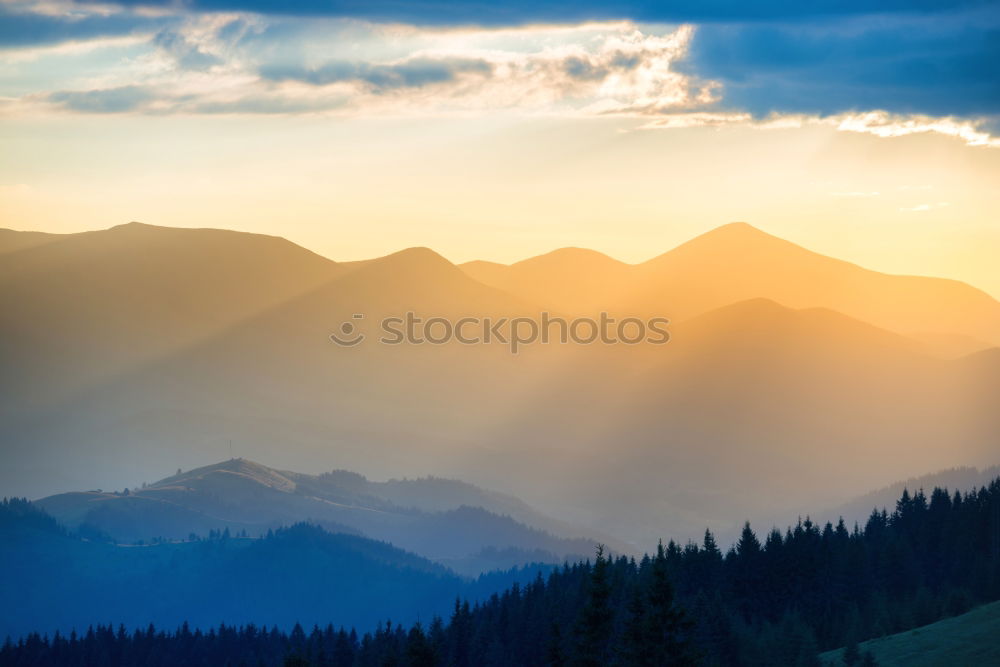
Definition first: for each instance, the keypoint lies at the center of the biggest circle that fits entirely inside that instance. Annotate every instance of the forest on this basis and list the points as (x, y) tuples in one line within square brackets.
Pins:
[(777, 599)]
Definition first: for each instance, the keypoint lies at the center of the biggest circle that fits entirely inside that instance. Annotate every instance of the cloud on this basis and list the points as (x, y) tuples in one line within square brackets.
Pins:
[(187, 54), (935, 58), (244, 63), (610, 69), (878, 123), (269, 105), (109, 100), (412, 73), (21, 27), (885, 124)]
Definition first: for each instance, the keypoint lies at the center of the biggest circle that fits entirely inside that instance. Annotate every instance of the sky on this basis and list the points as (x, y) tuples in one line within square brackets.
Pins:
[(501, 130)]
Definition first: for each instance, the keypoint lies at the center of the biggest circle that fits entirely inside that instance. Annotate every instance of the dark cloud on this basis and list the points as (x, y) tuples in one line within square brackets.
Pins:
[(484, 12), (20, 29), (914, 67), (107, 100), (409, 74)]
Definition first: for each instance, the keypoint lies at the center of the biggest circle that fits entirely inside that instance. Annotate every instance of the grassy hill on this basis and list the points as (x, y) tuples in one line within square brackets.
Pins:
[(969, 639)]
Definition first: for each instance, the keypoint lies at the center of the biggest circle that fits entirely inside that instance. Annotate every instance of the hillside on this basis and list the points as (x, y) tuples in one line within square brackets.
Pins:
[(442, 520), (299, 574), (131, 295), (968, 639)]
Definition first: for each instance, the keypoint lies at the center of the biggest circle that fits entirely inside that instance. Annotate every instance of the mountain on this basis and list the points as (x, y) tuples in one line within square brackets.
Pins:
[(568, 280), (301, 574), (11, 240), (443, 520), (84, 308), (737, 262), (752, 405)]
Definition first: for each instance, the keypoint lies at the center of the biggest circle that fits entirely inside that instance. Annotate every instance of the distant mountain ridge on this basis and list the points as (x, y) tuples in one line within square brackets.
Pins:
[(736, 262), (138, 349), (444, 520)]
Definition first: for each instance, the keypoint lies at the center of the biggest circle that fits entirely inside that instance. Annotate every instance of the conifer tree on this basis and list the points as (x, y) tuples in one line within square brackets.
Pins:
[(595, 623), (554, 656), (667, 628)]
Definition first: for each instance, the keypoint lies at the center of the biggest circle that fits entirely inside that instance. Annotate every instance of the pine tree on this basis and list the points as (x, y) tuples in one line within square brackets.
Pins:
[(554, 648), (595, 624), (635, 642), (419, 652), (667, 628)]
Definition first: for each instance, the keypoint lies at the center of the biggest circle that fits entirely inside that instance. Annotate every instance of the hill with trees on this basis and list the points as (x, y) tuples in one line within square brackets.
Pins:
[(53, 579), (780, 600)]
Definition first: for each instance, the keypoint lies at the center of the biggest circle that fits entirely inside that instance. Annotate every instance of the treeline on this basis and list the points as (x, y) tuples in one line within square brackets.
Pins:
[(780, 600)]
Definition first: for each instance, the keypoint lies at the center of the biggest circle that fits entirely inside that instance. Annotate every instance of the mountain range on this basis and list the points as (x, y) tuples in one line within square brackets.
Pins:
[(469, 529), (790, 377)]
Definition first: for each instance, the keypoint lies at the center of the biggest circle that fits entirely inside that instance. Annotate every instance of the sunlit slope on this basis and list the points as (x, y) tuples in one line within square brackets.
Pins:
[(969, 639), (86, 307), (754, 404), (12, 241), (569, 280), (737, 262)]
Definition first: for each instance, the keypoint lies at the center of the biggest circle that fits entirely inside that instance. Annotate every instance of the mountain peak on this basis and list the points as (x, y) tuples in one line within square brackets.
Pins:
[(417, 254), (738, 232), (737, 240), (135, 226), (245, 468), (413, 266), (570, 257), (737, 227)]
